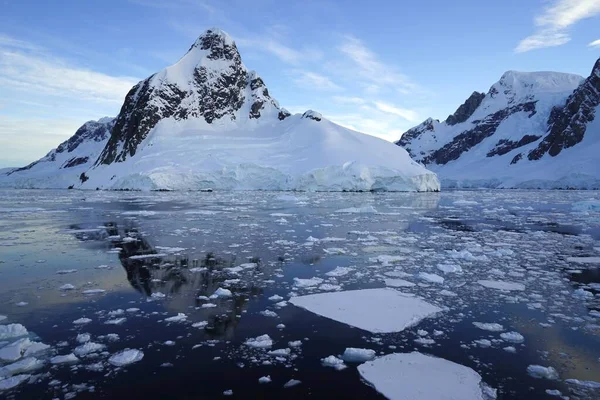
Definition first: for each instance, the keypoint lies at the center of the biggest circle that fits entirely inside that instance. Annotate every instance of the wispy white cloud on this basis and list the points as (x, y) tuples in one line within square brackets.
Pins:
[(50, 99), (595, 43), (313, 80), (554, 21), (39, 74), (369, 68), (409, 115), (349, 100)]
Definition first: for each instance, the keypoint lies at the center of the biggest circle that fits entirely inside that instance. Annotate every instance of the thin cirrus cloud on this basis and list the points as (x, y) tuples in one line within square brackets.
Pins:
[(595, 43), (313, 79), (552, 25)]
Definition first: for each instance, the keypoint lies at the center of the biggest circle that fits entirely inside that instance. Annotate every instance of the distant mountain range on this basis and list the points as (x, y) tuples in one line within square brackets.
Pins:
[(206, 122), (530, 130)]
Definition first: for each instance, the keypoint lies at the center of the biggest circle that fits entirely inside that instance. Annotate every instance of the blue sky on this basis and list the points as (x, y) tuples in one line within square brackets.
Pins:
[(380, 67)]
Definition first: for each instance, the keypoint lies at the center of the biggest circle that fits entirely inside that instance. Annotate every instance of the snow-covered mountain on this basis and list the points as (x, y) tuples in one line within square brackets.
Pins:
[(63, 166), (208, 122), (531, 130)]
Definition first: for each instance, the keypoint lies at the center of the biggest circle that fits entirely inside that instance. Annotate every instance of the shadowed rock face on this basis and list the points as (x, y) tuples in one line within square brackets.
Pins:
[(567, 124), (483, 129), (211, 92), (413, 133), (506, 146), (466, 109)]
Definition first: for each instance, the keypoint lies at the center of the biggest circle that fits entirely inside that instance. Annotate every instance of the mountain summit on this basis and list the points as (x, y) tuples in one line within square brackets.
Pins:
[(209, 82), (208, 122), (530, 130)]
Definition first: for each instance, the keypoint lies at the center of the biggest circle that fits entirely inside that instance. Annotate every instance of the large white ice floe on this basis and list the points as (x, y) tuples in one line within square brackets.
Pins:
[(501, 285), (126, 357), (403, 376), (374, 310)]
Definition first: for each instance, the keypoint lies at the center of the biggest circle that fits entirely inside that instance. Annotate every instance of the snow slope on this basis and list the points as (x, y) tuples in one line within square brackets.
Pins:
[(62, 167), (208, 122), (519, 135)]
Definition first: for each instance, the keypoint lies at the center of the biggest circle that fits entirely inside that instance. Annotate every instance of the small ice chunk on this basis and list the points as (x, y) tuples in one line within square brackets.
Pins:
[(115, 321), (306, 283), (228, 392), (261, 342), (339, 271), (180, 317), (67, 286), (398, 283), (502, 285), (82, 321), (586, 384), (352, 354), (280, 352), (93, 291), (291, 383), (268, 313), (22, 304), (66, 359), (433, 278), (489, 326), (264, 379), (514, 337), (449, 268), (225, 293), (88, 348), (126, 357), (541, 372), (334, 362), (295, 343), (65, 271), (275, 298)]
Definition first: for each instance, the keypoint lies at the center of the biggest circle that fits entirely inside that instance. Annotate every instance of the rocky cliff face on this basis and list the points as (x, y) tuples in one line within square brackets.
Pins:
[(209, 82), (79, 149), (466, 109), (568, 123), (513, 135)]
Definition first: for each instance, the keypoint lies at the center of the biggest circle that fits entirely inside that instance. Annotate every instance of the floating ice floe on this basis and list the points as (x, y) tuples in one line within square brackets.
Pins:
[(65, 359), (501, 285), (418, 376), (398, 283), (13, 381), (433, 278), (352, 354), (261, 342), (514, 337), (306, 283), (374, 310), (264, 379), (67, 286), (333, 362), (88, 348), (584, 260), (541, 372), (93, 291), (126, 357), (291, 383), (339, 271), (489, 326), (82, 321), (358, 210), (12, 331), (180, 317), (225, 293)]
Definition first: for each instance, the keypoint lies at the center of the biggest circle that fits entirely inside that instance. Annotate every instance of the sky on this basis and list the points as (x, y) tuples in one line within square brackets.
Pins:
[(379, 67)]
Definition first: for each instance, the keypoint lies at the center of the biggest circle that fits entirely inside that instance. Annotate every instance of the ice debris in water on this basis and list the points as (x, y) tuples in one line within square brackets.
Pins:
[(67, 286), (126, 357), (88, 348), (352, 354), (334, 362), (539, 371), (501, 285), (514, 337), (263, 341), (12, 331), (82, 321), (489, 326), (180, 317), (264, 379), (220, 292), (64, 359)]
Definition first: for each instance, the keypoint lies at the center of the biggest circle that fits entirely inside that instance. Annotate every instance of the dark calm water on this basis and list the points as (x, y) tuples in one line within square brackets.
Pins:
[(199, 238)]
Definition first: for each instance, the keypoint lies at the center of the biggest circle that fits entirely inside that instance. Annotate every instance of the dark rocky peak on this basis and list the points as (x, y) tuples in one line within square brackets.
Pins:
[(97, 131), (426, 126), (310, 114), (567, 124), (218, 44), (209, 82), (466, 109)]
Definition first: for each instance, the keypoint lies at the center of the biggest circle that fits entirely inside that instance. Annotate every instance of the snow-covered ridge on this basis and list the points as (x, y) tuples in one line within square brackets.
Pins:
[(514, 136), (208, 122)]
